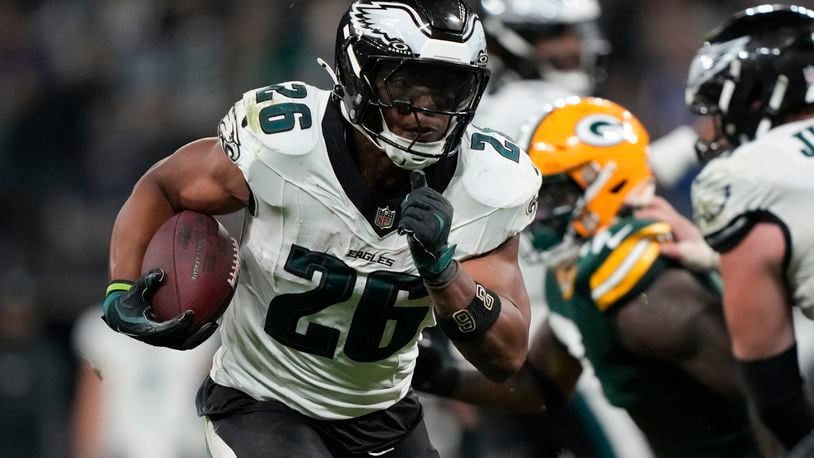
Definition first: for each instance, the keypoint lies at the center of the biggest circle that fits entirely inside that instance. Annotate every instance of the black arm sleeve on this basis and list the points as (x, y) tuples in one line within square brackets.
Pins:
[(776, 388)]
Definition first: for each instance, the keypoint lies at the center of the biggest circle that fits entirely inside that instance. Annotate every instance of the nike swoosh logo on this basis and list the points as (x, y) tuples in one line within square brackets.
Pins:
[(614, 241), (382, 452)]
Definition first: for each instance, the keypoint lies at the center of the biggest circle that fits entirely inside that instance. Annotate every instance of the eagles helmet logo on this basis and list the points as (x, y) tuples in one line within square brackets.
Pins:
[(713, 203), (377, 18)]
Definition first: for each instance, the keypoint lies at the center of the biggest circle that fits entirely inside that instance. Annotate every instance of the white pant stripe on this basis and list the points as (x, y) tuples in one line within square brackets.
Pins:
[(217, 447)]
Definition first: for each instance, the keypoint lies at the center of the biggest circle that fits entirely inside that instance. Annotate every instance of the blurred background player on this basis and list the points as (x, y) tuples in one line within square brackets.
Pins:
[(652, 329), (539, 52), (755, 78), (123, 383)]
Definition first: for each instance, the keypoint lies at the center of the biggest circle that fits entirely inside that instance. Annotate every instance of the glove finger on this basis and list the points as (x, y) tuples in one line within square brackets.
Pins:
[(413, 215), (417, 180), (149, 283), (178, 324), (420, 204), (201, 335)]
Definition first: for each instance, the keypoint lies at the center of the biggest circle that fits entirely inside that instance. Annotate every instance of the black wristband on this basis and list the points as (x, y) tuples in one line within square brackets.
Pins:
[(474, 320), (554, 397), (775, 386)]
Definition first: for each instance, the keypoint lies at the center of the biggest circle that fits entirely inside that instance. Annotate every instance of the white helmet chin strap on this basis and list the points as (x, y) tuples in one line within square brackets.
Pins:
[(405, 159)]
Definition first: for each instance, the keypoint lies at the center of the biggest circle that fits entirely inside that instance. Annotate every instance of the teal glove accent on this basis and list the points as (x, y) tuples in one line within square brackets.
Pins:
[(127, 310), (426, 218)]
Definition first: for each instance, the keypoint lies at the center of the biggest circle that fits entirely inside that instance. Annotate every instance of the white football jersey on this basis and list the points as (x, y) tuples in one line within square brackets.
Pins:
[(329, 305), (769, 179), (515, 104)]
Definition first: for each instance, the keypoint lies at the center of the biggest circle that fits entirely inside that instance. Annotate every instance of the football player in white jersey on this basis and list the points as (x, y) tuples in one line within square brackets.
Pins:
[(373, 211), (539, 52), (755, 77)]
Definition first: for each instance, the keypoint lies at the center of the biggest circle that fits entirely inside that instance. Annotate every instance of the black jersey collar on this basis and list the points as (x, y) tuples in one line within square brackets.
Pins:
[(381, 213)]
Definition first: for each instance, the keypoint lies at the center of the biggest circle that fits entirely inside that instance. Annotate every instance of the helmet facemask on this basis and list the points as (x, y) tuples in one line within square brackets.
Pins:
[(418, 109), (558, 198)]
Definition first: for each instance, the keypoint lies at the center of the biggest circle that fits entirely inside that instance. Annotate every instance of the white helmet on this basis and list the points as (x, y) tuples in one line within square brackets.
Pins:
[(514, 27)]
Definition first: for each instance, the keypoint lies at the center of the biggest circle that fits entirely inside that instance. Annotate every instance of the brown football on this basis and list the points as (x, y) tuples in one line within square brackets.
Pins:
[(201, 262)]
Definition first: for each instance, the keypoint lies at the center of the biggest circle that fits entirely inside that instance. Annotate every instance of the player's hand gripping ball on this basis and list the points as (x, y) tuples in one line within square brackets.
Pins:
[(189, 274)]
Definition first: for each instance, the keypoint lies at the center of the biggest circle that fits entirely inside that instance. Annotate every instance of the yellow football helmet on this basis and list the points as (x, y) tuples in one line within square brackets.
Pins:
[(602, 148)]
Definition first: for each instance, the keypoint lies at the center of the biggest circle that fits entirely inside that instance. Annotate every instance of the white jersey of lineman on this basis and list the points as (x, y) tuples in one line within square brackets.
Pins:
[(515, 104), (769, 179), (327, 311)]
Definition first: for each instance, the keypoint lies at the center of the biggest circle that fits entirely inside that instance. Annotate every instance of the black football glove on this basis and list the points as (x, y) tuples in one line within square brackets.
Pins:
[(129, 312), (426, 216), (436, 370)]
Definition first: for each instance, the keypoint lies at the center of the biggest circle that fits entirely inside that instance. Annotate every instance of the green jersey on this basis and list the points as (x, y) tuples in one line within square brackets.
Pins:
[(680, 416)]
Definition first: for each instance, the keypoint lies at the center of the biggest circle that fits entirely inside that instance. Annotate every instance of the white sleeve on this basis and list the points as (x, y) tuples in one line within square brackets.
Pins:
[(673, 155), (727, 200), (89, 336)]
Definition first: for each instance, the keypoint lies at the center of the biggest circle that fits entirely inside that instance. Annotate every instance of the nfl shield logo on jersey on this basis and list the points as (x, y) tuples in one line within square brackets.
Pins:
[(384, 217)]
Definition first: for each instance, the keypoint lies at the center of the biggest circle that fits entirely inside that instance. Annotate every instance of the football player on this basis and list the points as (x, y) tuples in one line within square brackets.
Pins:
[(373, 210), (653, 330), (540, 51), (755, 78)]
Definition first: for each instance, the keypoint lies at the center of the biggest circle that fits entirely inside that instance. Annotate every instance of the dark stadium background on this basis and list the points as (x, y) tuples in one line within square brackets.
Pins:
[(92, 92)]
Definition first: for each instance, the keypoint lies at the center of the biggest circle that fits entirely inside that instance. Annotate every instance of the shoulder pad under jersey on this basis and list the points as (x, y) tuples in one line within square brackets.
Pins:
[(285, 118), (621, 261), (266, 127), (725, 195), (496, 172)]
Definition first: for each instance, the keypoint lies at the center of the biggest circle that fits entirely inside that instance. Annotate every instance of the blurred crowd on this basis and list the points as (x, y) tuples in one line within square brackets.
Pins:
[(92, 92)]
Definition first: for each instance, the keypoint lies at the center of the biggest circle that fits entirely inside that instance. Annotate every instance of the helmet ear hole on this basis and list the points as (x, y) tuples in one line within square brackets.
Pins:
[(618, 187)]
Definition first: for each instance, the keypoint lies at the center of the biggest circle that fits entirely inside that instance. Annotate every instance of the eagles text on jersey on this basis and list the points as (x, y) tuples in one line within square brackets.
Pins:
[(329, 305)]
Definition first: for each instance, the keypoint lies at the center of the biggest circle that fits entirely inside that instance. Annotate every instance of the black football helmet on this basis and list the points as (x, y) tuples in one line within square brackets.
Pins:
[(751, 73), (515, 27), (391, 53)]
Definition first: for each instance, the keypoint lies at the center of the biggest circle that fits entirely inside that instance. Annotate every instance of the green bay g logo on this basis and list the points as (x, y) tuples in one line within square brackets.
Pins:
[(600, 130)]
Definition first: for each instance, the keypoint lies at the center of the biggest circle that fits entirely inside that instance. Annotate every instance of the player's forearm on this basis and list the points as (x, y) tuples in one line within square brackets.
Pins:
[(499, 350), (519, 393), (140, 217)]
